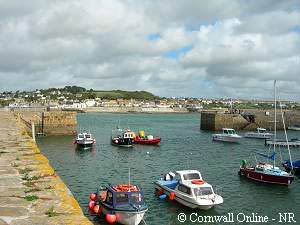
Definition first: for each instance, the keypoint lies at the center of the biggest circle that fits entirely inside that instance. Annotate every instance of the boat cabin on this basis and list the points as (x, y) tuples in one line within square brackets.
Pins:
[(183, 181), (129, 134), (84, 136), (119, 133), (228, 131), (122, 196), (261, 130)]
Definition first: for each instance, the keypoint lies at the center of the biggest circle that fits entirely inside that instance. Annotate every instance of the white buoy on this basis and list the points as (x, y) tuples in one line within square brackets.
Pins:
[(148, 153)]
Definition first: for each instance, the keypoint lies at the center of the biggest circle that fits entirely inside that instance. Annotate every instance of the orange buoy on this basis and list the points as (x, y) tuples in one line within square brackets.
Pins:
[(93, 196), (198, 181), (96, 209), (172, 196), (91, 205), (117, 216), (111, 218)]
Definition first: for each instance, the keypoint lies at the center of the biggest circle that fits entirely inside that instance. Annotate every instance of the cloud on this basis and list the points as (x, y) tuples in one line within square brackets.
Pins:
[(187, 48)]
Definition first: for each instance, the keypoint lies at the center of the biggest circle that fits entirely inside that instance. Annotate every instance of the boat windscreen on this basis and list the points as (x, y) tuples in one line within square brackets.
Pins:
[(87, 136), (191, 176), (80, 136), (122, 198), (136, 198), (203, 191)]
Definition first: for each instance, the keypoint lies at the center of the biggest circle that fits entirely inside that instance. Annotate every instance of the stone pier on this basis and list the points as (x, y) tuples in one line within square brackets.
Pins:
[(50, 123), (30, 190), (247, 120)]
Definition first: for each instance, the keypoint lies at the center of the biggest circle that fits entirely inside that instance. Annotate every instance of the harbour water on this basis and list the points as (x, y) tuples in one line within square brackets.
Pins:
[(183, 146)]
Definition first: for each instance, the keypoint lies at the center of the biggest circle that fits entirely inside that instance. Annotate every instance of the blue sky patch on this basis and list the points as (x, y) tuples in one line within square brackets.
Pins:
[(177, 52), (295, 29), (153, 37)]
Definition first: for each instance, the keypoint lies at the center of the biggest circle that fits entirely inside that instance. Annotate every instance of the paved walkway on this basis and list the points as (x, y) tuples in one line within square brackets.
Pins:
[(30, 191)]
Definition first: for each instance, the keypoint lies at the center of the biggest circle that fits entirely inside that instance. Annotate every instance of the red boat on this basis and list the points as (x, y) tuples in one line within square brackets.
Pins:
[(266, 173), (146, 140)]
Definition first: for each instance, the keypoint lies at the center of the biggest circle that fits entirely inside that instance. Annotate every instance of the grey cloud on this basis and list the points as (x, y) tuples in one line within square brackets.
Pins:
[(104, 45)]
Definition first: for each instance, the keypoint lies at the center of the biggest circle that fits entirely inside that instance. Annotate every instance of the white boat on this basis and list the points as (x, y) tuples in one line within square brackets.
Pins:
[(228, 135), (188, 188), (295, 127), (261, 133), (85, 139)]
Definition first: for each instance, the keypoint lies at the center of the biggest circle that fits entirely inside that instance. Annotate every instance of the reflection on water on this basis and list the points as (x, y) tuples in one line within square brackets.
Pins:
[(183, 146)]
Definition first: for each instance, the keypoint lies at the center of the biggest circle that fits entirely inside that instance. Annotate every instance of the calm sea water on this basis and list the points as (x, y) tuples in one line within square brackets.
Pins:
[(183, 146)]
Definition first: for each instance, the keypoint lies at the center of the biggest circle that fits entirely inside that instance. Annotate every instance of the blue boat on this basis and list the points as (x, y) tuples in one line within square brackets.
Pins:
[(122, 203), (288, 166)]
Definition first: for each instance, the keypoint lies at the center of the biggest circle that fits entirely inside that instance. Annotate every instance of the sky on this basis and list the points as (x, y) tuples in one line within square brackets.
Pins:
[(197, 48)]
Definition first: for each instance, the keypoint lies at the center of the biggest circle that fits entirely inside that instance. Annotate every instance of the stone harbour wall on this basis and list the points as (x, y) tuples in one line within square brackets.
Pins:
[(213, 120), (30, 190), (50, 123)]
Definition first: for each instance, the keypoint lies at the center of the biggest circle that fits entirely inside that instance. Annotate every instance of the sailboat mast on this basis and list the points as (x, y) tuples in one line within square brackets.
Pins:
[(275, 118), (286, 137), (129, 178)]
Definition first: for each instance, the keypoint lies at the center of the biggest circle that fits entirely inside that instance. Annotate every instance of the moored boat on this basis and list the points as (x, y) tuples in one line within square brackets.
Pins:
[(228, 135), (84, 139), (146, 139), (292, 166), (122, 138), (261, 133), (123, 203), (294, 127), (266, 173), (188, 188)]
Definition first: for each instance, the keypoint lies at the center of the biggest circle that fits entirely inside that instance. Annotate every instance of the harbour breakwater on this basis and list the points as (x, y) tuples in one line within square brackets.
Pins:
[(49, 123), (247, 119), (30, 190)]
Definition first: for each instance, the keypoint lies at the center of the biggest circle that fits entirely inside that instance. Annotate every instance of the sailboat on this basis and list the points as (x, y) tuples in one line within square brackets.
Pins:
[(266, 172)]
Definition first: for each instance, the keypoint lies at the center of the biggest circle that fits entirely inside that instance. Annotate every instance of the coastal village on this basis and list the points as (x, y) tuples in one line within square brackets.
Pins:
[(78, 98)]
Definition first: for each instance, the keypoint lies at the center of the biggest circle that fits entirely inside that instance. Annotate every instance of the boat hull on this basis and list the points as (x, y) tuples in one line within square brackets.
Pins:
[(258, 136), (84, 143), (188, 202), (126, 143), (153, 141), (231, 139), (127, 217), (265, 178), (294, 128)]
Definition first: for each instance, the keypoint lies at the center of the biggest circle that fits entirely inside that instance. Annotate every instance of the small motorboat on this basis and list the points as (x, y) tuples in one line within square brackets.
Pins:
[(294, 166), (122, 138), (228, 135), (261, 133), (146, 139), (294, 127), (84, 139), (188, 188), (122, 203)]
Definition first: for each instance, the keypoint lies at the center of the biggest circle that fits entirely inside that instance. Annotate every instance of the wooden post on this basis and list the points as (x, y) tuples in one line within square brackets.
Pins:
[(33, 131)]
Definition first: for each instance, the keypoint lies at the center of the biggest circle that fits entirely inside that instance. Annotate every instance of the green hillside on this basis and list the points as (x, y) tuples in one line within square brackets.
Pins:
[(114, 94)]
